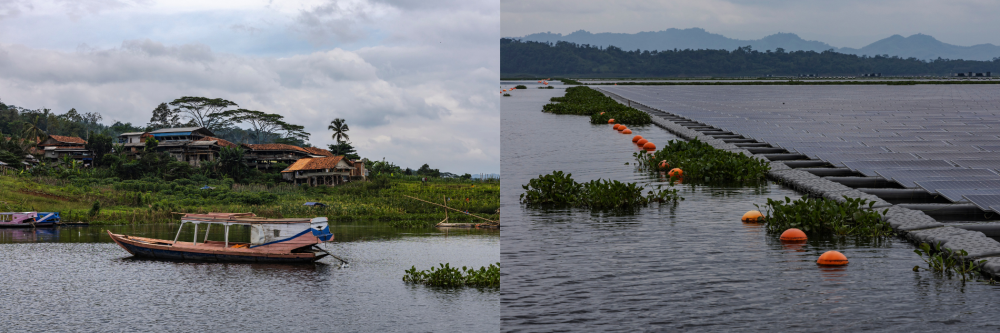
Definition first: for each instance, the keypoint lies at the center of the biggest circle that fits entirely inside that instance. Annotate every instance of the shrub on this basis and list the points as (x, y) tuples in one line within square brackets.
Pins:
[(582, 100), (520, 86)]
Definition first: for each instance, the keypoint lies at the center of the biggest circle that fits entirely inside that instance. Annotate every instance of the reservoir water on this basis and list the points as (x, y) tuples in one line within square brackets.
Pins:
[(692, 266), (76, 279)]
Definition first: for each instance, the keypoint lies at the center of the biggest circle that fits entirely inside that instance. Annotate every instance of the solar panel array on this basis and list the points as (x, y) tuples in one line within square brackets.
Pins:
[(893, 131)]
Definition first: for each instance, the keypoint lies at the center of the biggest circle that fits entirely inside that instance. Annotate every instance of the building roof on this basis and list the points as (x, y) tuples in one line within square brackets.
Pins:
[(318, 151), (132, 133), (68, 139), (221, 142), (314, 163), (202, 130), (275, 146)]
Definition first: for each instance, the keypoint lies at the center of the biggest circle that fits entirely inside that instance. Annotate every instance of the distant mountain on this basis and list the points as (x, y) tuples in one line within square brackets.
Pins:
[(919, 46), (925, 47)]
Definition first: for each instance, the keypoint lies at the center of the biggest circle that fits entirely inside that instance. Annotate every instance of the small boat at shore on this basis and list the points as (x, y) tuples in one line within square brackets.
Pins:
[(28, 219), (271, 240)]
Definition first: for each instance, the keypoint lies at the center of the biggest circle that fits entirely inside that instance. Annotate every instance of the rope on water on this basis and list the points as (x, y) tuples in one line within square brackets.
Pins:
[(470, 214)]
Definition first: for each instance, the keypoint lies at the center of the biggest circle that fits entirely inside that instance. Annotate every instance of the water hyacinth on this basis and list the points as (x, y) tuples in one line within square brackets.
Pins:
[(704, 164), (559, 189), (825, 217), (589, 102), (449, 277)]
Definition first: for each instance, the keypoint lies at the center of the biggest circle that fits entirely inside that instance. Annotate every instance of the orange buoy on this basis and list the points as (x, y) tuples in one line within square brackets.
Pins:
[(611, 121), (602, 113), (622, 128), (793, 235), (641, 142), (616, 126), (649, 146), (832, 258), (676, 172), (636, 138), (753, 216), (627, 131), (664, 165)]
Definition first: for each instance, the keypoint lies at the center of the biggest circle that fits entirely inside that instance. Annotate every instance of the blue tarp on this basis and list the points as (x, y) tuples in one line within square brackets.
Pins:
[(206, 187), (314, 204)]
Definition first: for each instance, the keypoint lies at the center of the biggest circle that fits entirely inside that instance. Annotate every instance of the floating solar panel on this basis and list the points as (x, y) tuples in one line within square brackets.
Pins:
[(910, 181), (953, 172), (984, 201), (932, 186), (965, 155), (989, 164), (957, 195), (989, 148)]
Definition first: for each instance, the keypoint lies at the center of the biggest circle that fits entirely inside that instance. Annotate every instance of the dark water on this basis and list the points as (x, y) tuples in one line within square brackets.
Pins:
[(694, 266), (75, 279)]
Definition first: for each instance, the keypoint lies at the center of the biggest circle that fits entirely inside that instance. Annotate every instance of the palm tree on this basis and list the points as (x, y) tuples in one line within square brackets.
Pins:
[(339, 128), (32, 131)]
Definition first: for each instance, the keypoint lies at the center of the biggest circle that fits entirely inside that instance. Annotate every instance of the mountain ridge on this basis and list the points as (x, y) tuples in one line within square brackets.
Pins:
[(920, 46)]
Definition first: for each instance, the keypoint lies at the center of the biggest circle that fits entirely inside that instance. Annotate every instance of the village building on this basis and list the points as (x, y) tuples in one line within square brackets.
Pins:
[(328, 171), (55, 147), (194, 145), (265, 155)]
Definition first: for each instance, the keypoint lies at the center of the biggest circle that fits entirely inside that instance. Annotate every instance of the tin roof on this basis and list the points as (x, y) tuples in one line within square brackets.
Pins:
[(275, 146)]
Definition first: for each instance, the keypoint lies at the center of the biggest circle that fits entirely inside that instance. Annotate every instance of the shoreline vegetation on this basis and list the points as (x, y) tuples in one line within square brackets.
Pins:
[(589, 102), (144, 201)]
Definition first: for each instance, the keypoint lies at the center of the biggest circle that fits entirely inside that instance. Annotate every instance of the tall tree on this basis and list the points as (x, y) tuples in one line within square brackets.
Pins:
[(164, 117), (344, 148), (33, 131), (339, 128), (263, 124), (202, 111), (100, 144)]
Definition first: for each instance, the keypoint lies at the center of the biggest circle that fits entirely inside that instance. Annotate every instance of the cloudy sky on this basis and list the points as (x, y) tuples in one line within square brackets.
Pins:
[(415, 80), (842, 23)]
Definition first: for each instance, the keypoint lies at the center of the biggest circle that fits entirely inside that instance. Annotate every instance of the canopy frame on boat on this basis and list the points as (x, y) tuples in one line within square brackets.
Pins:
[(228, 219)]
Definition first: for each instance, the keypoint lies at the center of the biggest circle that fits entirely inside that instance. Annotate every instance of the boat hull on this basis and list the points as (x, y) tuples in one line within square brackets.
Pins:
[(167, 252), (27, 225)]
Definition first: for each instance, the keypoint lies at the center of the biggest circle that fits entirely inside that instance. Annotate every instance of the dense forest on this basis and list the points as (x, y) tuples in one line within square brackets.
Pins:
[(536, 59)]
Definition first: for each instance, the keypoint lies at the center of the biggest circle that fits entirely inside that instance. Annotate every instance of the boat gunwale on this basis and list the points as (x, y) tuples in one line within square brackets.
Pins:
[(134, 241)]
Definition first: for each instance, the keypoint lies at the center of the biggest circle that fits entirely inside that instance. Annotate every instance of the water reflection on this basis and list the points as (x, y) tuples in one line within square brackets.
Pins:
[(98, 233)]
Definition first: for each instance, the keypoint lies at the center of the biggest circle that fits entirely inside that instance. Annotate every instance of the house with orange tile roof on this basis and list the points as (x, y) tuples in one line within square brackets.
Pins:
[(194, 145), (55, 147), (265, 155), (320, 171)]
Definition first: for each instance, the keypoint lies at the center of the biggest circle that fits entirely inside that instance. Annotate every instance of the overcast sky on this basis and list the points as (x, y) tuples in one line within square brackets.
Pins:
[(415, 80), (842, 23)]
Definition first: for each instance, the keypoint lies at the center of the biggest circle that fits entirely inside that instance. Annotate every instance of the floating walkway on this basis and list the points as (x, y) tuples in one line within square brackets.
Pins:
[(920, 174)]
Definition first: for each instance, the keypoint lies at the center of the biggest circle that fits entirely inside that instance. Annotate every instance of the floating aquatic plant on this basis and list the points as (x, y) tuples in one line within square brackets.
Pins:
[(947, 262), (589, 102), (451, 277), (704, 164), (559, 189), (853, 217)]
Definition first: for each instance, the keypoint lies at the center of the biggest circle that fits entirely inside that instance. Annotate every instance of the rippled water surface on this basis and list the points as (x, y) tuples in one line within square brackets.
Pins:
[(693, 266), (76, 279)]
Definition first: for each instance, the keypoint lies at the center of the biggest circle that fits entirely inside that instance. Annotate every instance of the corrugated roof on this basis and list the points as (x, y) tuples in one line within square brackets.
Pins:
[(314, 163), (132, 133), (68, 139), (275, 146), (318, 151), (177, 129), (221, 142)]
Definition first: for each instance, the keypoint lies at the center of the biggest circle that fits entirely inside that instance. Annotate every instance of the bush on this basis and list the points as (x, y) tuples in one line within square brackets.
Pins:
[(520, 86)]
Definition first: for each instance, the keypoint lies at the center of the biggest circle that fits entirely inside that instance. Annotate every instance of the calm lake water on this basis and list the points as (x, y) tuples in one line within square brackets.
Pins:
[(692, 266), (76, 279)]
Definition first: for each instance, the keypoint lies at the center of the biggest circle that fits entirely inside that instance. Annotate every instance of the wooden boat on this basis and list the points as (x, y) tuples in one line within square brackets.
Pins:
[(28, 219), (271, 240)]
